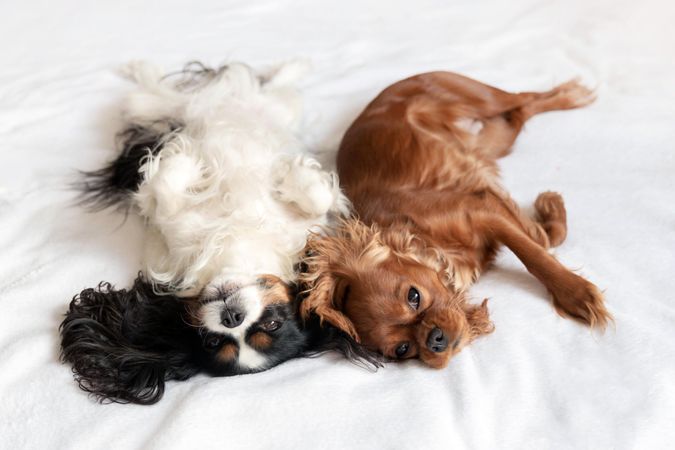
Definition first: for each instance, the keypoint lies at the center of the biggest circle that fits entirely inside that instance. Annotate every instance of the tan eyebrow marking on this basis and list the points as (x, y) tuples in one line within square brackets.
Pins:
[(228, 352), (260, 340), (274, 290)]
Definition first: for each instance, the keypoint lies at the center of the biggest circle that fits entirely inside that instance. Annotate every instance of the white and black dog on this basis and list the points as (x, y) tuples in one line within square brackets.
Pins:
[(210, 160)]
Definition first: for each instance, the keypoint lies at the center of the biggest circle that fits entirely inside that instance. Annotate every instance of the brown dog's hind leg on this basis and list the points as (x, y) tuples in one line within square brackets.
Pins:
[(480, 117), (499, 132), (552, 216), (568, 95)]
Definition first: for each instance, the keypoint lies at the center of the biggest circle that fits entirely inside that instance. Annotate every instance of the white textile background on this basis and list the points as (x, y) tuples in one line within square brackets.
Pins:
[(538, 382)]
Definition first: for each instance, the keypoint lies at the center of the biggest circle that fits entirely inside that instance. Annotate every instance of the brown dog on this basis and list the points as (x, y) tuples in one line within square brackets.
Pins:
[(419, 165)]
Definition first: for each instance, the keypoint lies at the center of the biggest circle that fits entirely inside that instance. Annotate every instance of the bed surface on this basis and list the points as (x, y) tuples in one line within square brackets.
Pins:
[(538, 382)]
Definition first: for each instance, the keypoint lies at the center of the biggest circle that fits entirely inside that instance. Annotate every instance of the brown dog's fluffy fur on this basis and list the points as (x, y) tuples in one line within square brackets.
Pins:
[(419, 165)]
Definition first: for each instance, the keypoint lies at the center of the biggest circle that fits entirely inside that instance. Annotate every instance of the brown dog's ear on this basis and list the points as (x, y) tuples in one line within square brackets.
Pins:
[(330, 263), (320, 300), (320, 284), (479, 320)]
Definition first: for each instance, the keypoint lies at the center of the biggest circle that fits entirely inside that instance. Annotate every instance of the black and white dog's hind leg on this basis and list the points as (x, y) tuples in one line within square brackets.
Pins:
[(151, 116)]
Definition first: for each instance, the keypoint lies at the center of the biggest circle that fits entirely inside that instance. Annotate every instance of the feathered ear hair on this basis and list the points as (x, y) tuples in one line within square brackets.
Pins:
[(123, 344), (329, 261), (323, 337)]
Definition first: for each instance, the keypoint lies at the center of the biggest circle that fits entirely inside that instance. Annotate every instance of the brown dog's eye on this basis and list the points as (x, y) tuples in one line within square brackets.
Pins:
[(270, 326), (414, 298), (402, 349)]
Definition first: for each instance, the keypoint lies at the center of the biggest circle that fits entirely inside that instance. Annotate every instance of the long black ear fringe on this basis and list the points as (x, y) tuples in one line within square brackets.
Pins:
[(324, 337), (123, 344), (112, 185)]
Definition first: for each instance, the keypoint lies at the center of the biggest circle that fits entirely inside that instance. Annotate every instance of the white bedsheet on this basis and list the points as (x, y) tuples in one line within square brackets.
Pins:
[(538, 382)]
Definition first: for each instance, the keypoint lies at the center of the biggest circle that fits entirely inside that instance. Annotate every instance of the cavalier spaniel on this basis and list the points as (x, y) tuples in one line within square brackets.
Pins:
[(125, 343), (420, 167), (210, 161)]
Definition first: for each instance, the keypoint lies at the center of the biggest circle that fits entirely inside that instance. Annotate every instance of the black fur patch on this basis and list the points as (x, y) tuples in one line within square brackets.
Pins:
[(123, 344), (112, 185)]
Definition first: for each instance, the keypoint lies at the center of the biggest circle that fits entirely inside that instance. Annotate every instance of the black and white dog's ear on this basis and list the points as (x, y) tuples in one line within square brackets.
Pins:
[(124, 344), (324, 337)]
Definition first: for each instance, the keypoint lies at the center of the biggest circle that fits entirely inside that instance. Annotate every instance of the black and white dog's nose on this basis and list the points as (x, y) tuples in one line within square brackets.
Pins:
[(232, 316)]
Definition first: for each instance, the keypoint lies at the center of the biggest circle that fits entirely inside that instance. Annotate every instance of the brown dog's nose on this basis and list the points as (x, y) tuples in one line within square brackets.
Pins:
[(437, 341)]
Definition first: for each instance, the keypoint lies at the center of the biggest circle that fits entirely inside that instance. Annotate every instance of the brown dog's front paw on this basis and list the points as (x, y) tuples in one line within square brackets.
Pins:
[(552, 216), (583, 302)]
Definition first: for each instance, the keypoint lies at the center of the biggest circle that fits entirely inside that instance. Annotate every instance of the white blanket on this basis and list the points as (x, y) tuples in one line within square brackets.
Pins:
[(538, 382)]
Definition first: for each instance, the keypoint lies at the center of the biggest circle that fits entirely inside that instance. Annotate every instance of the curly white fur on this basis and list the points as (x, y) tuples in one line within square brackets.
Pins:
[(233, 193)]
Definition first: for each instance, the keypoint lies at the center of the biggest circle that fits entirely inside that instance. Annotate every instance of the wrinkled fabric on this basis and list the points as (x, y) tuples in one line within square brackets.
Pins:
[(539, 381)]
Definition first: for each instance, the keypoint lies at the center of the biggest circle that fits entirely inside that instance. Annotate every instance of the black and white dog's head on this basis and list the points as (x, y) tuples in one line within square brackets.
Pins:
[(247, 327), (123, 344)]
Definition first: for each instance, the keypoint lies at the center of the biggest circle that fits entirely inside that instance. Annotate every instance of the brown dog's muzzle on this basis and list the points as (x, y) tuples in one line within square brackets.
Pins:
[(441, 336)]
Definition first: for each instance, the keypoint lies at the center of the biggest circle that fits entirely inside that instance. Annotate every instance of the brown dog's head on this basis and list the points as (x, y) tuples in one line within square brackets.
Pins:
[(391, 292)]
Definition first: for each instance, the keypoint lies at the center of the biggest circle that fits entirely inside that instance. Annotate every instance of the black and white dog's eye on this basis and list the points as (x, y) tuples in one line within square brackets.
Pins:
[(212, 342), (271, 325), (414, 298), (402, 349)]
